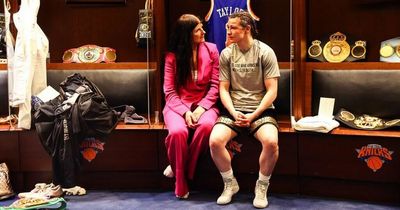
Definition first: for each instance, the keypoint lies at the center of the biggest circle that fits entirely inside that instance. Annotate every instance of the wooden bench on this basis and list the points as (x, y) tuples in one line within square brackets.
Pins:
[(134, 155), (329, 164)]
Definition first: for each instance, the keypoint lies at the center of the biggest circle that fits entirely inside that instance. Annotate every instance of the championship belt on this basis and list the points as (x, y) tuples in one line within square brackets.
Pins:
[(315, 50), (336, 49), (359, 50), (386, 51), (90, 54), (364, 122), (145, 26), (390, 50)]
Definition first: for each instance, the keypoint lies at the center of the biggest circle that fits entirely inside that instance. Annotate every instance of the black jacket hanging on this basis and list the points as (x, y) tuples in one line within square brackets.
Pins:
[(64, 122)]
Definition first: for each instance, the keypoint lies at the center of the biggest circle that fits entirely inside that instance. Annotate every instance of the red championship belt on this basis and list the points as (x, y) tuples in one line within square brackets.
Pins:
[(90, 54)]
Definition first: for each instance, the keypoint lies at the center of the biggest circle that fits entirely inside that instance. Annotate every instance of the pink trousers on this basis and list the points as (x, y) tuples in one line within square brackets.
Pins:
[(183, 152)]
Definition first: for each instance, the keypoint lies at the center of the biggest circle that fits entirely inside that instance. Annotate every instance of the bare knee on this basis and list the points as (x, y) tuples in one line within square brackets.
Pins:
[(268, 136), (216, 142), (273, 147), (220, 135), (270, 144)]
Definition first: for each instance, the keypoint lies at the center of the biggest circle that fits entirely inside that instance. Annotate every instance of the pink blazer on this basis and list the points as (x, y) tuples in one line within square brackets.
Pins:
[(204, 92)]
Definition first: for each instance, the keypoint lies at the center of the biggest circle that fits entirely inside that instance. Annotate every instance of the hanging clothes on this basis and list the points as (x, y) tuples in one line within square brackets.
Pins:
[(80, 118), (217, 17), (26, 57)]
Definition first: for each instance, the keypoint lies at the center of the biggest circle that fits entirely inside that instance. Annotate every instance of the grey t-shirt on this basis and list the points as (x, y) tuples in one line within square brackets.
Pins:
[(246, 72)]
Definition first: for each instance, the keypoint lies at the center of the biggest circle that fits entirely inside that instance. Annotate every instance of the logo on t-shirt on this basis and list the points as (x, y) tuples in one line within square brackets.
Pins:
[(244, 67)]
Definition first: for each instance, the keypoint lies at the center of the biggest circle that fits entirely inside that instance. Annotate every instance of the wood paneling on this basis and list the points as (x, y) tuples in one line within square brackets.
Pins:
[(9, 150), (33, 155), (134, 150), (334, 156), (70, 26), (288, 161), (309, 163), (357, 19), (300, 53), (358, 190)]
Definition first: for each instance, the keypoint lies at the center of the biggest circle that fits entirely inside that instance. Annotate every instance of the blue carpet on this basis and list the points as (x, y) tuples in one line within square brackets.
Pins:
[(108, 200)]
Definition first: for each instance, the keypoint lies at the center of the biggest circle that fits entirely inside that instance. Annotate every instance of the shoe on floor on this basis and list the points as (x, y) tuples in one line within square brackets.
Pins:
[(39, 187), (260, 191), (74, 191), (186, 196), (43, 190), (168, 172), (231, 187)]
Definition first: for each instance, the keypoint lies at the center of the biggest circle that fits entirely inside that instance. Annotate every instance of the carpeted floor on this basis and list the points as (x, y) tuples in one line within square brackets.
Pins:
[(107, 200)]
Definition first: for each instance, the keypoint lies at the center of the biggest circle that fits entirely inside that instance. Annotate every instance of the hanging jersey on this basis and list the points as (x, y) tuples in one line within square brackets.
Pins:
[(217, 18), (26, 71)]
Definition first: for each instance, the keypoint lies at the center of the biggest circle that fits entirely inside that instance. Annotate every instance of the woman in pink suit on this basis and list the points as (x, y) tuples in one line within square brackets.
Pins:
[(191, 91)]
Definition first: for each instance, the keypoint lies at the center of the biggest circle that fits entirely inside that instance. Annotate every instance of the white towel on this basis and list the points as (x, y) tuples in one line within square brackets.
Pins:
[(316, 123)]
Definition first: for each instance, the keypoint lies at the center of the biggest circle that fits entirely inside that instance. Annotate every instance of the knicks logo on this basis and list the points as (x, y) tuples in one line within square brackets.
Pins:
[(374, 155)]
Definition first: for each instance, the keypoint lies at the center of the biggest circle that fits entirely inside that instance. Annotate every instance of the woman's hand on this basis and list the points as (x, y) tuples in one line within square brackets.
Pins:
[(197, 113), (189, 118)]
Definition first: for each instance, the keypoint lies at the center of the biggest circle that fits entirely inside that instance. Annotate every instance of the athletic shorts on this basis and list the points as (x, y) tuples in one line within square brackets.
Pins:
[(268, 116)]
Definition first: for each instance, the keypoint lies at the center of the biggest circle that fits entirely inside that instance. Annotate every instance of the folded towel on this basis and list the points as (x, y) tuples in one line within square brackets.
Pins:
[(316, 123)]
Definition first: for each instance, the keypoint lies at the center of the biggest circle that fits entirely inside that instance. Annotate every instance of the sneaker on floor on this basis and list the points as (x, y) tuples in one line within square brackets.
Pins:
[(39, 187), (260, 191), (186, 196), (168, 172), (43, 190), (231, 187)]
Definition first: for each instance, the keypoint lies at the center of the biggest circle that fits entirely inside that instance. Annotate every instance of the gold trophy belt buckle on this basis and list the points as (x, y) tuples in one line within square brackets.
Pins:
[(337, 49), (315, 49), (365, 121), (90, 54), (387, 50), (359, 50)]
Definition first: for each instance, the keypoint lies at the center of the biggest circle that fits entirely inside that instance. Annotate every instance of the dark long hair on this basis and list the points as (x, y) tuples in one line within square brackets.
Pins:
[(181, 44)]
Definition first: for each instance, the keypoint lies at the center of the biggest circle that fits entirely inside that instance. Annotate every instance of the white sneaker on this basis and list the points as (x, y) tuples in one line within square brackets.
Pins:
[(186, 196), (168, 172), (231, 187), (43, 190), (260, 200)]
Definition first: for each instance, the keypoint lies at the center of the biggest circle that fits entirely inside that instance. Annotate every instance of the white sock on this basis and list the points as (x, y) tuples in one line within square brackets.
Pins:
[(263, 178), (227, 174)]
